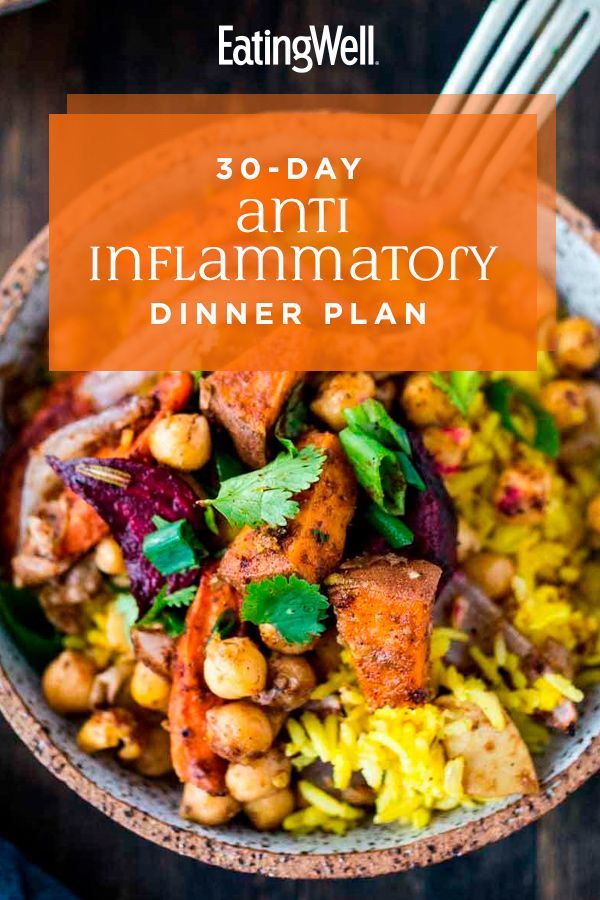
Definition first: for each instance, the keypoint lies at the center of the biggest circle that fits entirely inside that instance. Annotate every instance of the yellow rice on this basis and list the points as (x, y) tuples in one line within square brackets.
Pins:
[(400, 752)]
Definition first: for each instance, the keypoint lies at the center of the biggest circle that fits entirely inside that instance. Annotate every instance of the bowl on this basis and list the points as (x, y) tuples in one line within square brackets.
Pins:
[(149, 808)]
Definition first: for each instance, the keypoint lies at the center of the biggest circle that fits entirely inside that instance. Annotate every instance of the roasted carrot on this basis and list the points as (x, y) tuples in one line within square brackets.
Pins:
[(312, 544), (384, 606), (247, 405), (174, 390), (193, 759)]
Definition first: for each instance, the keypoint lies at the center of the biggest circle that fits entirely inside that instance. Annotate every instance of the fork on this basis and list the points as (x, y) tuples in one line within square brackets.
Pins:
[(569, 35)]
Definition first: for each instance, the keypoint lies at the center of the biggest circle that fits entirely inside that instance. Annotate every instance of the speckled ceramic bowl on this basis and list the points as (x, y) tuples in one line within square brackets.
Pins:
[(149, 807)]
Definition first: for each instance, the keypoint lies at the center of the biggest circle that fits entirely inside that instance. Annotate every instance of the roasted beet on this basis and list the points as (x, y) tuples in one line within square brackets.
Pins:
[(127, 495), (430, 514)]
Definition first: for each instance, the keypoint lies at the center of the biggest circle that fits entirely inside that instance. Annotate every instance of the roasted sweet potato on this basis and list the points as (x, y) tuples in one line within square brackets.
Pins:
[(384, 607), (312, 544), (193, 759), (247, 405), (497, 763)]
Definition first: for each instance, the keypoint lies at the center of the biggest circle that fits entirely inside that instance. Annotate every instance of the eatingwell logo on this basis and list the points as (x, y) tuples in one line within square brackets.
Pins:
[(325, 46)]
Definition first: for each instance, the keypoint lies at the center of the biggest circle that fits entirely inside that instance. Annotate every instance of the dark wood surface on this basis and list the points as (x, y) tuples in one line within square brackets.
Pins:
[(127, 46)]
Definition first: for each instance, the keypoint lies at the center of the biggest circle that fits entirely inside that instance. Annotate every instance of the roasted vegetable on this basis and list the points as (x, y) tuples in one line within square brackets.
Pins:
[(325, 509), (430, 514), (383, 606), (56, 527), (128, 495), (248, 405), (193, 759)]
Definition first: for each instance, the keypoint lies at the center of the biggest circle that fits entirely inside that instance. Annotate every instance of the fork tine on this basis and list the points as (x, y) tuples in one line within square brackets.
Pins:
[(480, 43), (471, 59), (518, 35), (575, 58), (564, 18), (514, 42)]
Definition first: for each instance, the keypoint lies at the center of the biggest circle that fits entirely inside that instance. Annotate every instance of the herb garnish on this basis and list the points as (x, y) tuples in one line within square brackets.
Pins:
[(161, 611), (511, 402), (173, 547), (294, 607), (264, 496), (460, 387), (379, 450)]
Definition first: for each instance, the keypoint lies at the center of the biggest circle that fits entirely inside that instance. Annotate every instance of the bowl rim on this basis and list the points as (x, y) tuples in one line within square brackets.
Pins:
[(14, 289)]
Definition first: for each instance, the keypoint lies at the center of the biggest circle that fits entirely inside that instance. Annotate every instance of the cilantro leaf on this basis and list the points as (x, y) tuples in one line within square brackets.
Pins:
[(460, 387), (173, 624), (163, 601), (294, 607), (511, 402), (292, 419), (264, 496)]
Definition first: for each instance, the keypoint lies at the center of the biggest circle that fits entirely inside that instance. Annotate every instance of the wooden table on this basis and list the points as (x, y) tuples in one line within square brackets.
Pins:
[(128, 46)]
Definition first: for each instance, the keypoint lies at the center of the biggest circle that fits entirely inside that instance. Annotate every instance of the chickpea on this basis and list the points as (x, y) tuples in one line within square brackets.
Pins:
[(291, 682), (181, 441), (467, 540), (577, 344), (593, 513), (148, 689), (566, 402), (67, 683), (448, 446), (268, 813), (108, 729), (234, 668), (271, 637), (258, 778), (522, 493), (108, 557), (207, 809), (339, 393), (155, 758), (239, 730), (583, 443), (492, 572), (424, 403)]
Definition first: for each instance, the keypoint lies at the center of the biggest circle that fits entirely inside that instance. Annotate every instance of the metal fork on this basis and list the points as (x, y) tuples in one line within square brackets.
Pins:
[(557, 22)]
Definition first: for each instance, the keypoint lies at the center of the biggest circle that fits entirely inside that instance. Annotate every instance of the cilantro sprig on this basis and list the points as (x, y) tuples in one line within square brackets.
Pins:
[(265, 495), (515, 406), (294, 607), (163, 609), (460, 388)]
